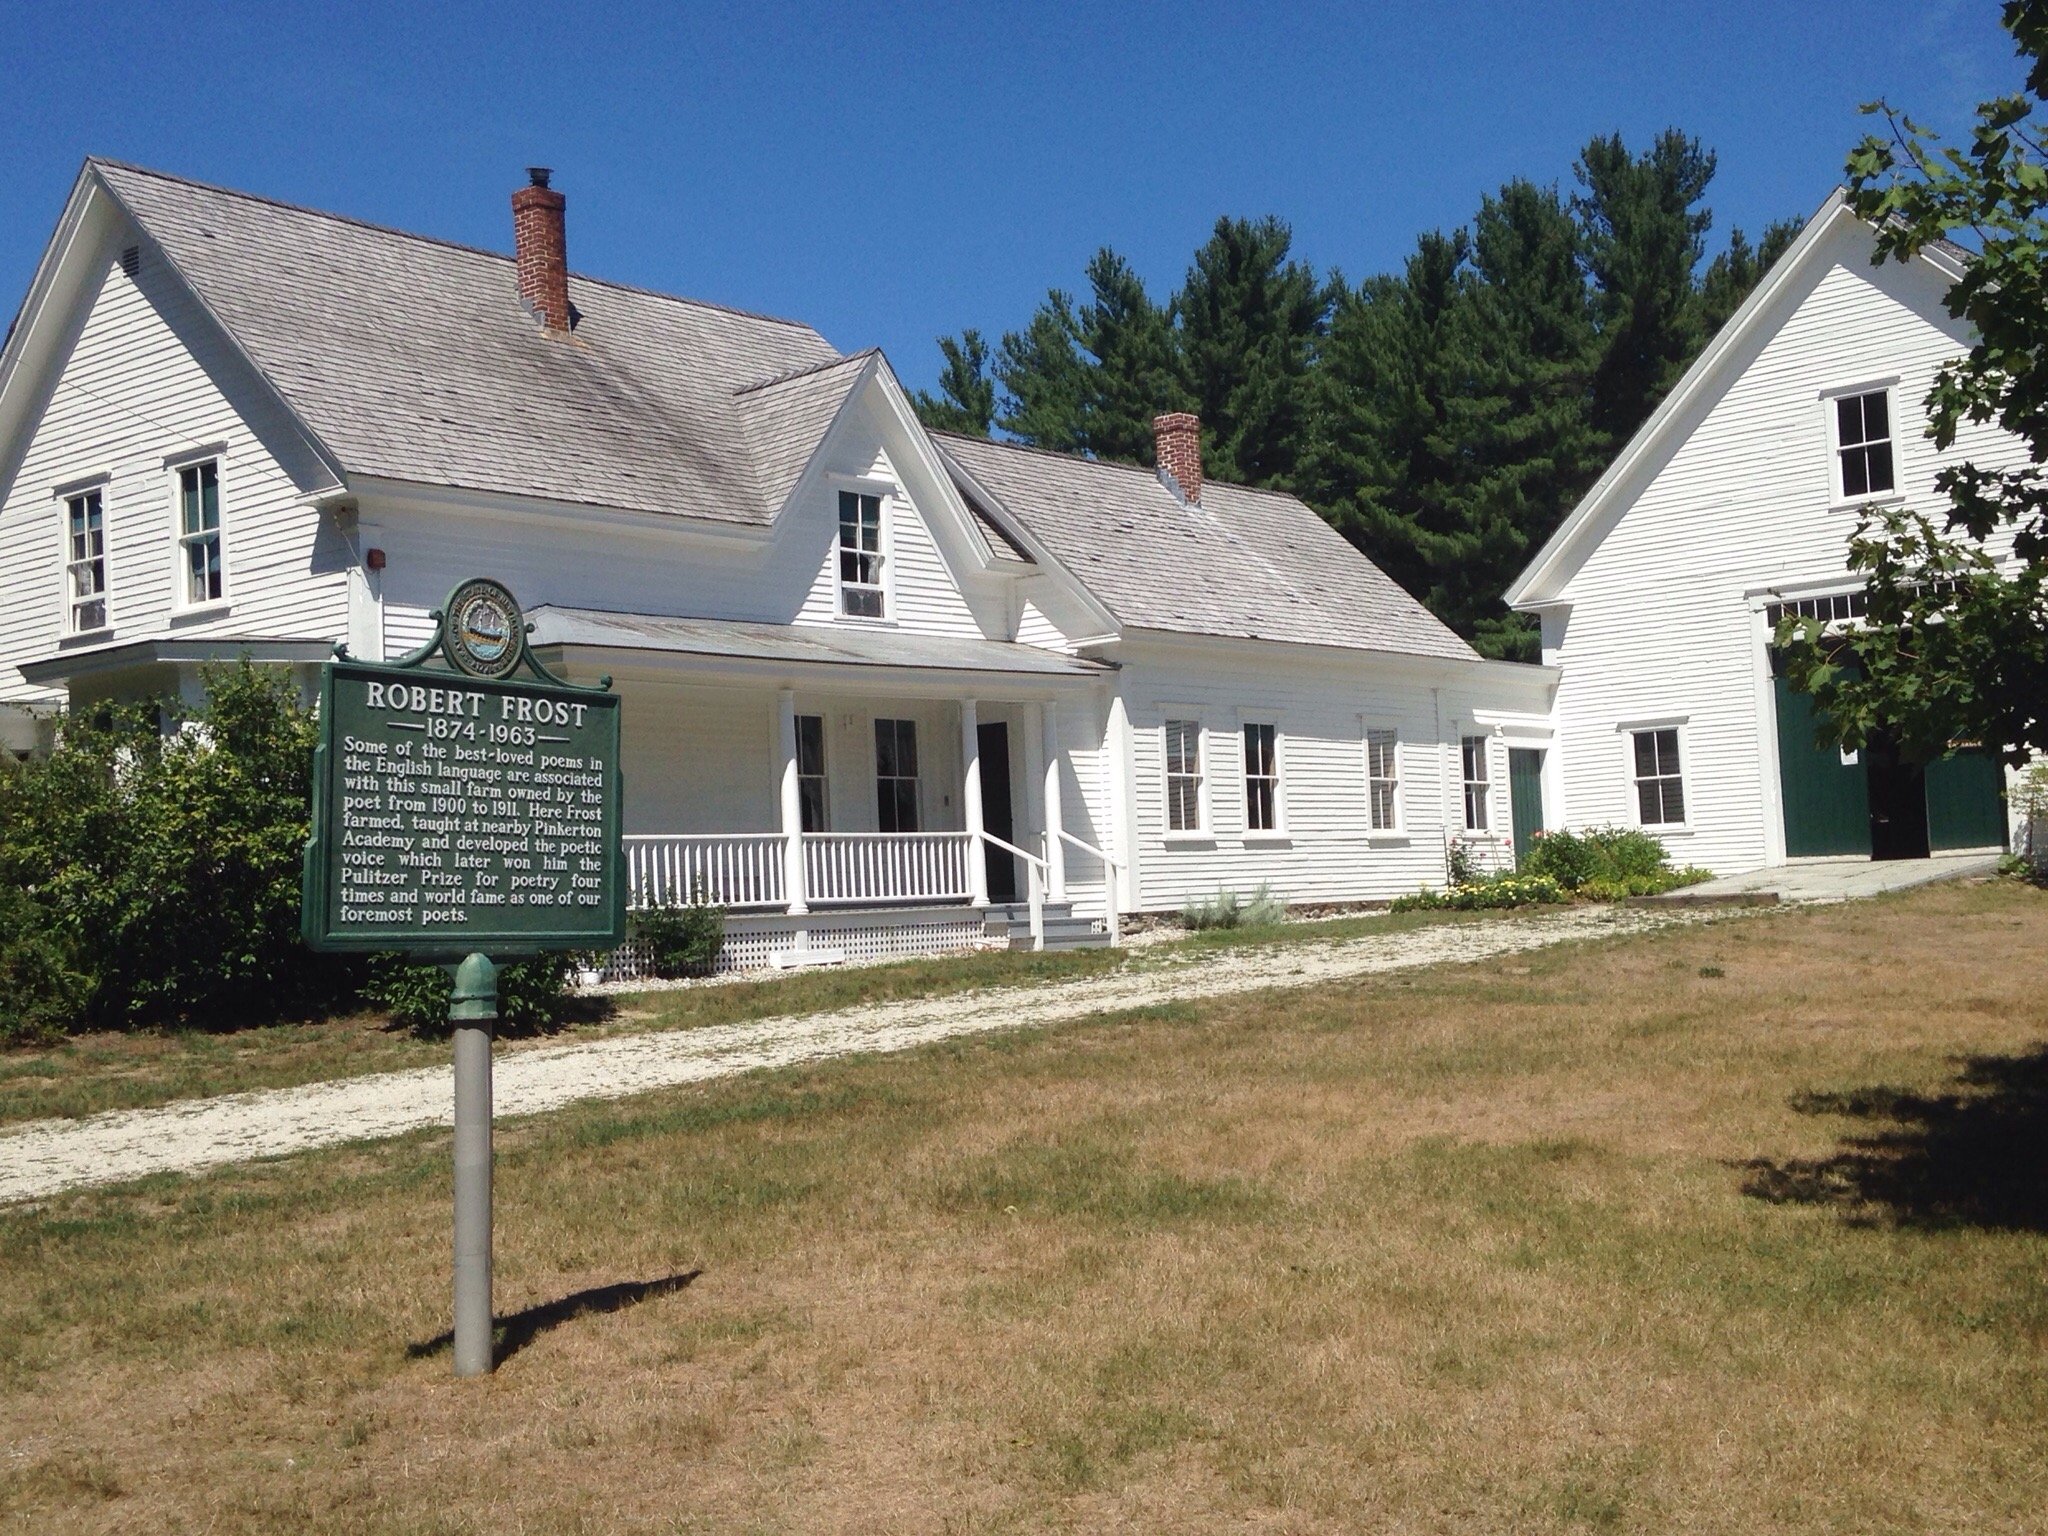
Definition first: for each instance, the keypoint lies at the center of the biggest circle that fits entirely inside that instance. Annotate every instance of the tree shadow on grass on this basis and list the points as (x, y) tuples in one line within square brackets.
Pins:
[(514, 1332), (1969, 1155)]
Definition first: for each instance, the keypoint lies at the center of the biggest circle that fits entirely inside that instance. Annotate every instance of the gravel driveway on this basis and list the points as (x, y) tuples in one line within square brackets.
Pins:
[(45, 1157)]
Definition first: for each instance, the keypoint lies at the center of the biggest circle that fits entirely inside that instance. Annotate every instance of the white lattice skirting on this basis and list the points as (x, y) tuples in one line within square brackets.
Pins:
[(753, 942)]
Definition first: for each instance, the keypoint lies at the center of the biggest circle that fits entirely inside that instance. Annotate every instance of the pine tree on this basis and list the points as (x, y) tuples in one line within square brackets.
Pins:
[(1044, 378), (966, 401), (1131, 344), (1731, 275), (1380, 456), (1527, 449), (1249, 318), (1643, 235)]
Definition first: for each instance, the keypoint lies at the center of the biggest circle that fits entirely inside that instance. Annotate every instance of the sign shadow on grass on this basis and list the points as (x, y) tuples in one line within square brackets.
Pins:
[(519, 1329), (1969, 1154)]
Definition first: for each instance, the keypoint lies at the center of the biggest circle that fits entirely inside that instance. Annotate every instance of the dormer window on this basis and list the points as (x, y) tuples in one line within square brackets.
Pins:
[(861, 591), (1863, 445)]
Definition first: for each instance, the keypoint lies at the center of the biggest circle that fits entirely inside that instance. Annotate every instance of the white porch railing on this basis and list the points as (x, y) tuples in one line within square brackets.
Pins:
[(750, 870), (731, 870), (885, 866)]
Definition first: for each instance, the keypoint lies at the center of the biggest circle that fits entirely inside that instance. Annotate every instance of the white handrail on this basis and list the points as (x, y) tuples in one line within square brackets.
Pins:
[(1110, 905), (1034, 882)]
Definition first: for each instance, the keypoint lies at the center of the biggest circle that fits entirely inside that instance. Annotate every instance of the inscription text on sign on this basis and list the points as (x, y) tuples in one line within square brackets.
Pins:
[(455, 814)]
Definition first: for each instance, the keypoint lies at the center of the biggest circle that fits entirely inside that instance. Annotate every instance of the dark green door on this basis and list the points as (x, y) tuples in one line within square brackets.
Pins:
[(1965, 801), (1827, 801), (1525, 797)]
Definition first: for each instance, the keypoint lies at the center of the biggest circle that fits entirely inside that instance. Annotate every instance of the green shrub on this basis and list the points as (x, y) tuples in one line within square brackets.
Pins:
[(531, 993), (681, 940), (165, 864), (41, 996), (1484, 894), (1226, 909), (1606, 863)]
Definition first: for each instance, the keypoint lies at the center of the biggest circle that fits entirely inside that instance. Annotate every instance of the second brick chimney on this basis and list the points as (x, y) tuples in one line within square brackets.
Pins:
[(540, 248), (1177, 441)]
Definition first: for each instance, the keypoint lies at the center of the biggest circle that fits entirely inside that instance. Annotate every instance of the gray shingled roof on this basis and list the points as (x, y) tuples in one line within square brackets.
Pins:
[(414, 359), (1245, 564), (818, 643)]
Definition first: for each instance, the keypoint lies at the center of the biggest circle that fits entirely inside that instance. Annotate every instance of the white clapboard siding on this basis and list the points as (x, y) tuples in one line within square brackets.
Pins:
[(1662, 621), (149, 377), (1329, 851), (1035, 627), (923, 594)]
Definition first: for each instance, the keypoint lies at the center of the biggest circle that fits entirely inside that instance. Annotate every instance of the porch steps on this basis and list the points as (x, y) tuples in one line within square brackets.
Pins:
[(1063, 930)]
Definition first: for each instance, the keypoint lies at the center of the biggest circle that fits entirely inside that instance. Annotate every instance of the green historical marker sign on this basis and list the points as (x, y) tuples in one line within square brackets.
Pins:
[(462, 816), (459, 811)]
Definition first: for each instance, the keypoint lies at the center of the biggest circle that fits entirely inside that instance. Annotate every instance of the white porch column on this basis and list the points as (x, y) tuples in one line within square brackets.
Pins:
[(970, 802), (1055, 849), (792, 802)]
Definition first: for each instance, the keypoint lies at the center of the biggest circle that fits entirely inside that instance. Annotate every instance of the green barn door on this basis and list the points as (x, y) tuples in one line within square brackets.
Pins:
[(1827, 801), (1525, 797), (1965, 801)]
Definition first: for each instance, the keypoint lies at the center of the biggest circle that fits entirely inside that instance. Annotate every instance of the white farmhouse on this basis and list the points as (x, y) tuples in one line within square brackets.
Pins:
[(884, 691), (1735, 502)]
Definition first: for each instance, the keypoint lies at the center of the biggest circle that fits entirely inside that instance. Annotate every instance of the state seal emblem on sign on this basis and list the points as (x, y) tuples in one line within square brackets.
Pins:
[(485, 629)]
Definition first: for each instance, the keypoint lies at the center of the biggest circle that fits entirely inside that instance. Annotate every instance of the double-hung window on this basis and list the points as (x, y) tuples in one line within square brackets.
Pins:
[(1183, 775), (896, 775), (1478, 783), (199, 531), (1660, 782), (1383, 779), (85, 563), (812, 799), (1261, 778), (1863, 444), (861, 592)]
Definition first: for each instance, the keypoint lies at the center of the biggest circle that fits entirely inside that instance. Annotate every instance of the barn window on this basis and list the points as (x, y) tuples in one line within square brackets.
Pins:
[(1863, 444), (1183, 775), (1660, 782)]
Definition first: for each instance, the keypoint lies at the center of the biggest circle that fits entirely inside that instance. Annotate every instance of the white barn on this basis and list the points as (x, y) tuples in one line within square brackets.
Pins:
[(886, 691), (1659, 594)]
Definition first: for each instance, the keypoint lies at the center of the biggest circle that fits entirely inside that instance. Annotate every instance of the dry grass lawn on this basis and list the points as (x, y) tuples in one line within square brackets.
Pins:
[(1738, 1229)]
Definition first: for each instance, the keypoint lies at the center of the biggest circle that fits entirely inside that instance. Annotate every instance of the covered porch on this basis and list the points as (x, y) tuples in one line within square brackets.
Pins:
[(850, 793)]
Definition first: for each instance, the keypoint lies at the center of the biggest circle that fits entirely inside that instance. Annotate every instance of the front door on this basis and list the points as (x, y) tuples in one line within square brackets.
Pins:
[(996, 817), (1525, 797), (1898, 802)]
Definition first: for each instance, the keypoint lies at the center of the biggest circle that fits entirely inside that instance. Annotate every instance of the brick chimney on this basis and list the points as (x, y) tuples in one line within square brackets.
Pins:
[(1177, 440), (540, 248)]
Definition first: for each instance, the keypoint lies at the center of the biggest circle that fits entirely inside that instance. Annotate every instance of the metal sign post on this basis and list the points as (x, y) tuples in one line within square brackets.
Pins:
[(465, 818)]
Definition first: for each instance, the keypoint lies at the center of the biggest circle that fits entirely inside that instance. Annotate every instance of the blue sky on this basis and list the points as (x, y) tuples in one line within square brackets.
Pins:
[(891, 172)]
